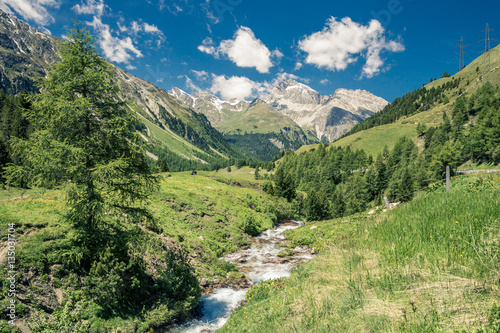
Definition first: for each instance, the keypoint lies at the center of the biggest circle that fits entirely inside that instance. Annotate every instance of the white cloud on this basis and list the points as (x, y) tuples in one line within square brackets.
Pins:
[(139, 27), (31, 10), (298, 66), (91, 7), (191, 85), (324, 81), (233, 87), (151, 28), (122, 28), (115, 49), (245, 50), (200, 75), (241, 87), (282, 76), (207, 47), (277, 53), (340, 43), (135, 27)]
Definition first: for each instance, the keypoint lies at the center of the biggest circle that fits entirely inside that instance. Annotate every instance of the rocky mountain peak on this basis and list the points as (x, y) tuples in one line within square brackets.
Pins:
[(182, 96), (290, 92), (329, 116), (26, 49)]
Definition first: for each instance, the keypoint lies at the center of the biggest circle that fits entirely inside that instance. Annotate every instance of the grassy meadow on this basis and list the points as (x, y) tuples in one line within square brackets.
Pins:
[(203, 215), (428, 265)]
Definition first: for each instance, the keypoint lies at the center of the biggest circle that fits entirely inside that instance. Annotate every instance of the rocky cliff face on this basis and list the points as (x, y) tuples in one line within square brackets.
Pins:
[(26, 53), (327, 116)]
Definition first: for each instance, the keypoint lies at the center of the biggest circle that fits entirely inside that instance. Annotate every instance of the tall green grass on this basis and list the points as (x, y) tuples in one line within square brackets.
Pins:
[(429, 265)]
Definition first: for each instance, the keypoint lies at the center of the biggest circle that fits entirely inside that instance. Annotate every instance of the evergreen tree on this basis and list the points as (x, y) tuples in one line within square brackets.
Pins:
[(316, 206), (355, 194), (83, 138), (284, 185), (161, 165), (256, 173)]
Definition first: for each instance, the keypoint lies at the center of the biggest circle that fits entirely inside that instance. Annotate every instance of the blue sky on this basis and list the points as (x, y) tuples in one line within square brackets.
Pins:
[(240, 48)]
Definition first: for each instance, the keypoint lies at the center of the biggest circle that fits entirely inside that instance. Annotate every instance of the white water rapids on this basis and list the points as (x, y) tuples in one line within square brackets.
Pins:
[(258, 263)]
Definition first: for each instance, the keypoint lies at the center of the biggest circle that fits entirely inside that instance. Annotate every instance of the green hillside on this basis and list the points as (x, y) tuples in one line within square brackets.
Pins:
[(395, 121), (429, 265), (260, 117), (261, 132)]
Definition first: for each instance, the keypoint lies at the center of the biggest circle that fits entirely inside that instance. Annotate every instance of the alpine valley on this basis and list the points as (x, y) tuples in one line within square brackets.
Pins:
[(125, 207), (292, 115), (186, 129)]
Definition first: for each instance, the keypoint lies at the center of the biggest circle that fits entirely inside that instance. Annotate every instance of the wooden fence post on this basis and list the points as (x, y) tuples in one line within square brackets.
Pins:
[(447, 179), (387, 204)]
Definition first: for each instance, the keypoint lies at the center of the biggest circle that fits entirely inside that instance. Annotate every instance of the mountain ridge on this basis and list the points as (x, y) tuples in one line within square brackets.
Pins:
[(311, 110), (28, 53)]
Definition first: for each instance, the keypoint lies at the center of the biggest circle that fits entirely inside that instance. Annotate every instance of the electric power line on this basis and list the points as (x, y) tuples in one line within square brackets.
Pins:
[(461, 46), (487, 47)]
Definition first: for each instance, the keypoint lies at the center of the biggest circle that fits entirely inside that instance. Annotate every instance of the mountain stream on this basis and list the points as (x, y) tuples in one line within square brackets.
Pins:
[(258, 262)]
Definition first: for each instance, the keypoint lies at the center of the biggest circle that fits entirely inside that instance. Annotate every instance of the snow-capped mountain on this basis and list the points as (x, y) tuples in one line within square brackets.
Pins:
[(329, 116), (215, 109)]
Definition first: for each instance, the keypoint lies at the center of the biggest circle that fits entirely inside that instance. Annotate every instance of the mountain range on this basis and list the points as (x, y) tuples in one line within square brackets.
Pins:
[(323, 118), (199, 128)]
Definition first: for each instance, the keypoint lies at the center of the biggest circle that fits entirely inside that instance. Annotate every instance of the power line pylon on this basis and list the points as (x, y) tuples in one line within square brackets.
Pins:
[(461, 64), (487, 48)]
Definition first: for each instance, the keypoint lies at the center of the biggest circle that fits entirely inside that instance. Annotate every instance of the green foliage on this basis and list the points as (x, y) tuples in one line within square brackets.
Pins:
[(286, 253), (260, 145), (83, 136), (13, 124), (256, 173), (284, 185), (317, 206), (249, 224), (412, 103), (421, 129), (162, 165), (70, 318)]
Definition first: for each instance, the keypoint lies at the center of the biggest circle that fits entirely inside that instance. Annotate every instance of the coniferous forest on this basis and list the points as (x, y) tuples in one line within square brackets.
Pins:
[(339, 181)]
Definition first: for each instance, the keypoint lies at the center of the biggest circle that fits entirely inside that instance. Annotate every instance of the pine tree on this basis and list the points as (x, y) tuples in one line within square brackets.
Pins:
[(316, 206), (256, 174), (83, 138), (161, 165), (284, 185)]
